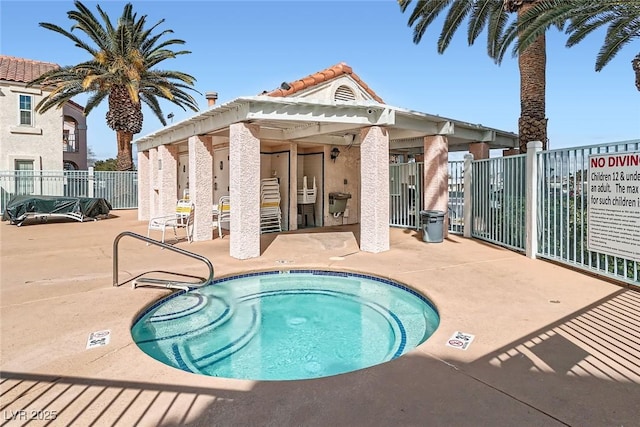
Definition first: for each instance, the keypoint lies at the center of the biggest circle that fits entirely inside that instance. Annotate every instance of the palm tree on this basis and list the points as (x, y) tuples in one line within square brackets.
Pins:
[(493, 15), (120, 68), (584, 17), (636, 69)]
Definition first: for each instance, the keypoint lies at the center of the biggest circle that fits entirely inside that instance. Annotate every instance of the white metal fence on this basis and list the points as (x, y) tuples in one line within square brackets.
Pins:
[(562, 211), (503, 196), (456, 197), (534, 203), (406, 194), (498, 201), (119, 188)]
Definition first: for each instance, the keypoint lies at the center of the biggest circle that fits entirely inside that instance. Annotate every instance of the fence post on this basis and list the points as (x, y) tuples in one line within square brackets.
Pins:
[(531, 221), (90, 182), (467, 206)]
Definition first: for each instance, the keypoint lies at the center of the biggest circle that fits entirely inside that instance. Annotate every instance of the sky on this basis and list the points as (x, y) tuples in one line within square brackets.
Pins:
[(241, 48)]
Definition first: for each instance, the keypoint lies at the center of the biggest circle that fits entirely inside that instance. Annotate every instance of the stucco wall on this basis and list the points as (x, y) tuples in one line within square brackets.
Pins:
[(79, 157), (346, 167), (310, 163), (277, 160), (41, 142), (145, 190), (326, 92)]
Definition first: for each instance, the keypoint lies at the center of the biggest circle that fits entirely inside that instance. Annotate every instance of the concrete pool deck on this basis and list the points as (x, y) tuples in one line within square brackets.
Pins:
[(552, 346)]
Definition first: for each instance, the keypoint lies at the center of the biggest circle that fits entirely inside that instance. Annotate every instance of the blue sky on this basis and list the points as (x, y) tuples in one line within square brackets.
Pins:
[(240, 48)]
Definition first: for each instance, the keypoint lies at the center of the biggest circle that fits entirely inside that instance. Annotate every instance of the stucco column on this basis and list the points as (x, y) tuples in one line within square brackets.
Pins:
[(480, 150), (244, 190), (436, 175), (154, 185), (374, 186), (167, 178), (293, 186), (200, 185), (144, 186)]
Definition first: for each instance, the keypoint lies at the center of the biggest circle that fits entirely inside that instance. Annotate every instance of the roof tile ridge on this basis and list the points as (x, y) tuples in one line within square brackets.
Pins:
[(29, 60)]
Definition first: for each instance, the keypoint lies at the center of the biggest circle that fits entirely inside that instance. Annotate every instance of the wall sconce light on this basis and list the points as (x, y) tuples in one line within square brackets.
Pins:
[(334, 153)]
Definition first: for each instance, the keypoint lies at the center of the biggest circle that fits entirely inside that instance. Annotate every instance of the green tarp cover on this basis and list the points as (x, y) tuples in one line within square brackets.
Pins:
[(19, 207)]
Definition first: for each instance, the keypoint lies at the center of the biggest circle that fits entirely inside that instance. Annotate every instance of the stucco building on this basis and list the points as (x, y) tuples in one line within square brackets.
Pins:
[(329, 126), (53, 140)]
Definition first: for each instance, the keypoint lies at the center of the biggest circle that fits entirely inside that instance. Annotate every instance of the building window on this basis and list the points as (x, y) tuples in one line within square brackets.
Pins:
[(67, 142), (24, 177), (69, 132), (70, 166), (26, 112)]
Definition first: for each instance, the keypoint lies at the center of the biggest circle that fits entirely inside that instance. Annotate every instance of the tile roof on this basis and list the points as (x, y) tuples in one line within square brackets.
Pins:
[(21, 69), (323, 76)]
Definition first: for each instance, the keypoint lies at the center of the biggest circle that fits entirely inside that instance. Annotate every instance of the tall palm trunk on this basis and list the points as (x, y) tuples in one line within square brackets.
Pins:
[(124, 158), (636, 68), (125, 117), (532, 124)]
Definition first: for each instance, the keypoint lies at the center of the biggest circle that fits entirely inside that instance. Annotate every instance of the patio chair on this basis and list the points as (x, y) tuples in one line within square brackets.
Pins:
[(224, 213), (182, 218), (270, 213)]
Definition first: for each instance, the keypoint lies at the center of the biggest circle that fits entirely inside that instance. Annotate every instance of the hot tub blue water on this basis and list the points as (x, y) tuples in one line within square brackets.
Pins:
[(286, 325)]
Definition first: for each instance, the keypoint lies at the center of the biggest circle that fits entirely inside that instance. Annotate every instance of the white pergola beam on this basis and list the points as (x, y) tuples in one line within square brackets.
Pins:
[(474, 135), (316, 129), (424, 125), (506, 141), (200, 125), (322, 123), (330, 140), (406, 143)]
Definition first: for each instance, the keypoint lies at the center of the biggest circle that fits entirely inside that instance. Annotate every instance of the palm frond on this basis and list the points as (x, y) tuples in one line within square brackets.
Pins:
[(618, 35), (537, 20), (87, 22), (78, 42), (94, 100), (148, 43), (497, 20), (107, 20), (509, 37), (424, 14), (154, 106), (478, 19), (579, 19), (457, 13)]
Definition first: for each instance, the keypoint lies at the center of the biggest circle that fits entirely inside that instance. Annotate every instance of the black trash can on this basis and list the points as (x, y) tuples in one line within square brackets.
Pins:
[(432, 226)]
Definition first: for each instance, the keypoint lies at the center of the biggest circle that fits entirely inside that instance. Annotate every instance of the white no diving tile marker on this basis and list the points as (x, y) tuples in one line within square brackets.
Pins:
[(98, 339), (460, 340)]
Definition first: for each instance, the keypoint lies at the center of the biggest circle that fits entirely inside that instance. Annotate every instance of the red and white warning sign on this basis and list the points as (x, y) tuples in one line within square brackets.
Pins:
[(460, 340)]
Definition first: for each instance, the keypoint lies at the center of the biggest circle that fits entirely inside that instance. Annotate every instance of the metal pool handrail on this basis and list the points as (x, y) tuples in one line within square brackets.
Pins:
[(160, 282)]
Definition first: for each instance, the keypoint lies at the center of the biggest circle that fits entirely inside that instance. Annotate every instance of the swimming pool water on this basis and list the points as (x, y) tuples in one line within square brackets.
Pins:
[(286, 325)]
